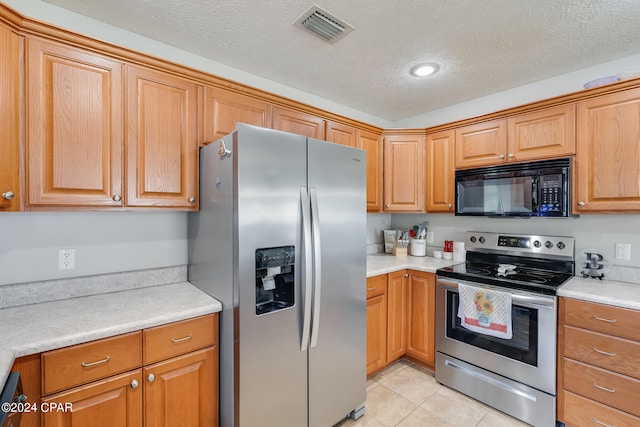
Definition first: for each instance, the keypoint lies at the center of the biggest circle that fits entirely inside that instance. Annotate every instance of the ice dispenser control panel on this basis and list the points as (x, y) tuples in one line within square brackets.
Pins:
[(274, 279)]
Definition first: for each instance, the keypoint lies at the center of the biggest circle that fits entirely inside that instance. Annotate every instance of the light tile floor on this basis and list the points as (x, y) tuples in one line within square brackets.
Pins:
[(406, 395)]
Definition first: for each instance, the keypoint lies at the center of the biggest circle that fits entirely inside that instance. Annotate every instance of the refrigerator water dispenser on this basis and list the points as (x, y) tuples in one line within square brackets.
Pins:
[(274, 279)]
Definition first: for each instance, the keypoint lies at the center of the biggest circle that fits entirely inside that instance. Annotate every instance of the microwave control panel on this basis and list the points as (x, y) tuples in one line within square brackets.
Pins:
[(551, 193)]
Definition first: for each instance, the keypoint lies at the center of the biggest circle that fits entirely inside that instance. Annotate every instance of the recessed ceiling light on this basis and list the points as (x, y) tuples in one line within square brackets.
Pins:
[(423, 70)]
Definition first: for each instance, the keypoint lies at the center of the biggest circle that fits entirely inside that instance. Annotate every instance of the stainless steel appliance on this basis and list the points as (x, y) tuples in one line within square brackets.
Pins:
[(280, 240), (517, 375), (522, 189), (12, 401)]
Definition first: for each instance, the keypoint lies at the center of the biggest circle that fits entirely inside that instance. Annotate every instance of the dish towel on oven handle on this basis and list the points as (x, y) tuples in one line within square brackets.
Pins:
[(485, 311)]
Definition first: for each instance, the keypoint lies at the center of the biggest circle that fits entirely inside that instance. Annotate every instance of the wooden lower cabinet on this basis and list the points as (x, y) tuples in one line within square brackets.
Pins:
[(182, 391), (397, 309), (376, 323), (421, 333), (400, 319), (115, 401), (598, 364)]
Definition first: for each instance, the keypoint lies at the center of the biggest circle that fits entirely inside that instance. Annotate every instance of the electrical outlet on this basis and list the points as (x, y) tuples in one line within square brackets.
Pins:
[(623, 251), (429, 236), (66, 259)]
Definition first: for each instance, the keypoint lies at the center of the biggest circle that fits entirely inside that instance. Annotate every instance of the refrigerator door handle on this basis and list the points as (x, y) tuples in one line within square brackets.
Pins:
[(307, 264), (317, 267)]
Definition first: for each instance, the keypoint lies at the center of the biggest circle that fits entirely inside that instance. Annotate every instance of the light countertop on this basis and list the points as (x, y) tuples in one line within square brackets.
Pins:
[(35, 328), (619, 294), (384, 263)]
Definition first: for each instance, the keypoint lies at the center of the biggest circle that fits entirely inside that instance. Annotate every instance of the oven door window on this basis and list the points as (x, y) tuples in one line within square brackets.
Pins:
[(523, 346)]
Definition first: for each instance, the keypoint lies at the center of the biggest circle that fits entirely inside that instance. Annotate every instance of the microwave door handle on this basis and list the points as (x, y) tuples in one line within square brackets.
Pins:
[(534, 194)]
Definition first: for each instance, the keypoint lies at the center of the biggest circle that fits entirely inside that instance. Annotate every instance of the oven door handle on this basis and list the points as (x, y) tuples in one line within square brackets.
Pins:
[(516, 298)]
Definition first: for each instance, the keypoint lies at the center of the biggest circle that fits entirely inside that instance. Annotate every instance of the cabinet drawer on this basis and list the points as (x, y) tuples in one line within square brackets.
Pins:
[(376, 285), (582, 412), (618, 391), (171, 340), (83, 363), (607, 319), (616, 354)]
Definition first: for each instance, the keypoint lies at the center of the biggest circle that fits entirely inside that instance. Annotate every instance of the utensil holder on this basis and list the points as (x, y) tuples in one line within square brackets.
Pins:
[(418, 247)]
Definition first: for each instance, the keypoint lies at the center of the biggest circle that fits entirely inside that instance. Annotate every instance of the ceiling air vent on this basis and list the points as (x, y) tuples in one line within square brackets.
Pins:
[(324, 25)]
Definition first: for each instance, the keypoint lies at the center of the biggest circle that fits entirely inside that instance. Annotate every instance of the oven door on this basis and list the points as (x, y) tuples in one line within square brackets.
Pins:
[(528, 357)]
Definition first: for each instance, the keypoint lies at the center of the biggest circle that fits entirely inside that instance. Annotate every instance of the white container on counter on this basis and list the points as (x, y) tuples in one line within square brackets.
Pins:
[(418, 247), (459, 252)]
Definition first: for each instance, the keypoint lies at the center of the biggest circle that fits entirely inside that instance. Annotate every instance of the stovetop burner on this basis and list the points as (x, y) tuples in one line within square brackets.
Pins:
[(512, 262)]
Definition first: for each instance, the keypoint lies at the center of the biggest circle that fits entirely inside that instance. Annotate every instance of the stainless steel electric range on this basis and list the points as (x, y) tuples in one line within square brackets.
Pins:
[(516, 375)]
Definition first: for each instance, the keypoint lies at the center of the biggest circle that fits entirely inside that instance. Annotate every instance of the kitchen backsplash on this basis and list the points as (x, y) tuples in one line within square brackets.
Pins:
[(592, 233)]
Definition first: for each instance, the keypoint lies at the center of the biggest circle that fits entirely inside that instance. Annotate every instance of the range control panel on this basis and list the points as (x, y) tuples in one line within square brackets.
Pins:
[(552, 246)]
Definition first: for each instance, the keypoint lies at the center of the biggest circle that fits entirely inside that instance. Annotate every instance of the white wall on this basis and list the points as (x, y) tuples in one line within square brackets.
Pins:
[(105, 242), (593, 233)]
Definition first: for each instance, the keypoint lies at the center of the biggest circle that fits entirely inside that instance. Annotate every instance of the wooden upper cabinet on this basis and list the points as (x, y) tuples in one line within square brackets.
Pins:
[(440, 170), (9, 119), (297, 122), (372, 144), (608, 153), (74, 126), (223, 109), (403, 173), (340, 134), (162, 149), (542, 134), (481, 144)]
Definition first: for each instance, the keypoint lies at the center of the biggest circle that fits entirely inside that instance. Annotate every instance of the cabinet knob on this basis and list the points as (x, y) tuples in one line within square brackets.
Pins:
[(449, 205), (406, 275), (9, 195), (511, 155), (501, 156), (192, 199), (116, 198), (581, 203), (388, 206), (134, 384), (151, 378)]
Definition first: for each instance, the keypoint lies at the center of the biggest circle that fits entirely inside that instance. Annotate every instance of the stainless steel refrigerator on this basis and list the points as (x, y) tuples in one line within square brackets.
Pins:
[(280, 240)]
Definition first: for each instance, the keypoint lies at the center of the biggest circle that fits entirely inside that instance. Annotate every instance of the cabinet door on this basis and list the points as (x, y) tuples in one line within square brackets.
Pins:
[(440, 170), (403, 173), (9, 117), (340, 134), (74, 126), (223, 109), (542, 134), (298, 123), (481, 144), (182, 391), (162, 148), (397, 314), (115, 401), (376, 323), (421, 344), (372, 144), (608, 153)]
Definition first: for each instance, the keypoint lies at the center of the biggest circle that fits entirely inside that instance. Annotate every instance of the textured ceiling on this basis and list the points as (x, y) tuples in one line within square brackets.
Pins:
[(482, 46)]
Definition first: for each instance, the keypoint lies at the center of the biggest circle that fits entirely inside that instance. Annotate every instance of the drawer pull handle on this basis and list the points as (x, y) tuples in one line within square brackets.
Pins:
[(177, 340), (602, 319), (604, 388), (372, 288), (602, 423), (98, 362), (603, 352)]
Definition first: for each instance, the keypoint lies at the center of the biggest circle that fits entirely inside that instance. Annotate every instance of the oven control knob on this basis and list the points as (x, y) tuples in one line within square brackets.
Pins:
[(537, 243), (481, 239), (548, 244), (560, 245), (473, 239)]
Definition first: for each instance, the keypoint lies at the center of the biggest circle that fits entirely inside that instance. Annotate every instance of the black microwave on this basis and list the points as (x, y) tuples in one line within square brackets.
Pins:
[(520, 190)]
